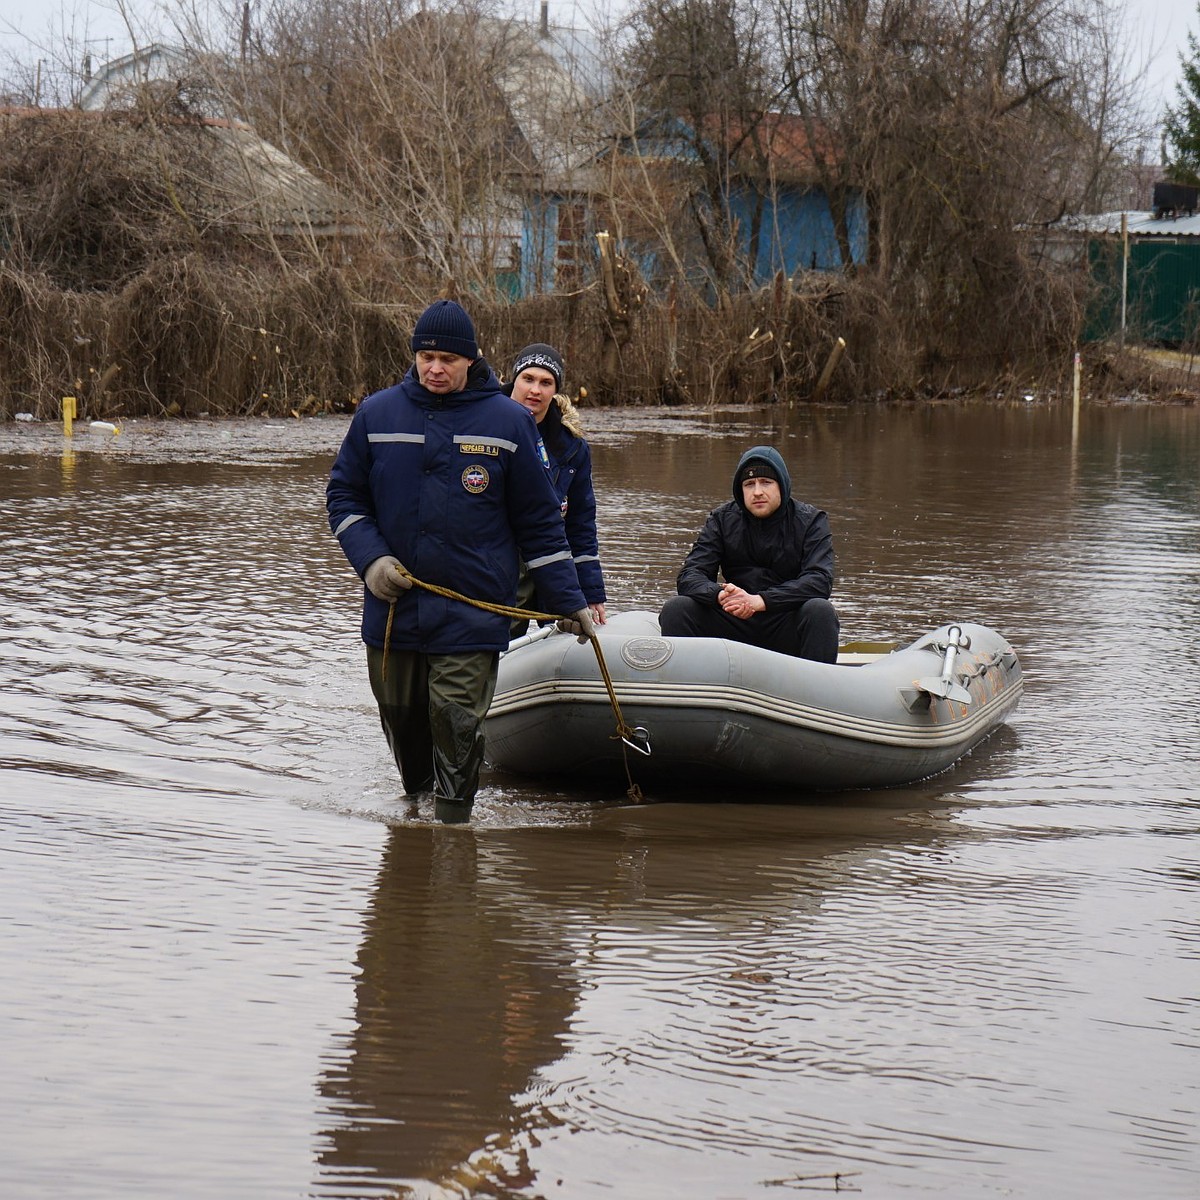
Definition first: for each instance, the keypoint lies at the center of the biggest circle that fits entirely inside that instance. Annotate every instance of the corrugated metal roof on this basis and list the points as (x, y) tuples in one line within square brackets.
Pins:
[(1140, 224)]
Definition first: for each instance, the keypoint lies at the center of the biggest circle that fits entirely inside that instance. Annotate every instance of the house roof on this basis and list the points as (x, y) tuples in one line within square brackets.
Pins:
[(1138, 224), (266, 187), (547, 99), (577, 52), (782, 138), (772, 144), (549, 79), (253, 186), (115, 82)]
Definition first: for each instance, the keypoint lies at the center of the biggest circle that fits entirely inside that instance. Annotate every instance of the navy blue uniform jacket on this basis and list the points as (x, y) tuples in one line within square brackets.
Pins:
[(571, 474), (456, 487)]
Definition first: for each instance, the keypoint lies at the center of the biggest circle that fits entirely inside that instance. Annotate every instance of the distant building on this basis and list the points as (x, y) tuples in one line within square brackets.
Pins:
[(249, 186), (548, 93), (116, 84), (548, 87), (553, 103), (782, 220), (1146, 271)]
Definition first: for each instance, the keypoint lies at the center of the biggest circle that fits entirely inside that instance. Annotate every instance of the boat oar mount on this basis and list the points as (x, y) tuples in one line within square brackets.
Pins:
[(944, 685)]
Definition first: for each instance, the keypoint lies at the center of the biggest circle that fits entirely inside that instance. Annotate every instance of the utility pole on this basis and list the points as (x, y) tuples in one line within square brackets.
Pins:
[(245, 28)]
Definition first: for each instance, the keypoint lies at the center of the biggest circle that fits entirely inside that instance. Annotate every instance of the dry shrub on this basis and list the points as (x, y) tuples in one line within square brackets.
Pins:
[(91, 199), (189, 336), (52, 337), (205, 338), (1118, 375), (759, 347), (200, 337), (26, 357)]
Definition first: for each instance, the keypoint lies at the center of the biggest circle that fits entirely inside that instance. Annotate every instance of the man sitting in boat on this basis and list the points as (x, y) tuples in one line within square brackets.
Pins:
[(775, 555)]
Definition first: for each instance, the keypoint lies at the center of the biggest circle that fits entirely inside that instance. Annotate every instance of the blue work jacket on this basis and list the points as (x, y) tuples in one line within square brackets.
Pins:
[(456, 487), (571, 474)]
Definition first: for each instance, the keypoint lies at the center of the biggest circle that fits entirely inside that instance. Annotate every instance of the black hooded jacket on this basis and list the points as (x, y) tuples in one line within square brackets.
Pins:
[(786, 558)]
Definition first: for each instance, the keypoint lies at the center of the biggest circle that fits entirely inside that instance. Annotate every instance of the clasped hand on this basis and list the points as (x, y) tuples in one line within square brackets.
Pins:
[(737, 602)]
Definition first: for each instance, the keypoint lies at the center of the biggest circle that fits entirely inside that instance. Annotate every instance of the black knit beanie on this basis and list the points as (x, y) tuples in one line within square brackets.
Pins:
[(758, 468), (540, 355), (444, 325)]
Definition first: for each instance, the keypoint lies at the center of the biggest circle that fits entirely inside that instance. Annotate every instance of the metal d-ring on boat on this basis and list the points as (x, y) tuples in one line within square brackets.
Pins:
[(640, 741)]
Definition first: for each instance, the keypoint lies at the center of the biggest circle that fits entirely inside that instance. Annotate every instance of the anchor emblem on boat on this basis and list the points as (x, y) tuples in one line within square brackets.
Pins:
[(646, 653)]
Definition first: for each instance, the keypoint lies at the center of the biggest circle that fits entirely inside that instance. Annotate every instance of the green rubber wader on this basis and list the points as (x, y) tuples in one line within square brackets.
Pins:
[(431, 707), (526, 593)]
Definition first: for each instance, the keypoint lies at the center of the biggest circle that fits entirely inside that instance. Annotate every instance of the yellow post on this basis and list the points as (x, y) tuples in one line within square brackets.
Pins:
[(68, 413)]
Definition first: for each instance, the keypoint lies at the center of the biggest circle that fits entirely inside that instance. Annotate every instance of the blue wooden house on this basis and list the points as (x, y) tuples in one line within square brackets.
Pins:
[(780, 217)]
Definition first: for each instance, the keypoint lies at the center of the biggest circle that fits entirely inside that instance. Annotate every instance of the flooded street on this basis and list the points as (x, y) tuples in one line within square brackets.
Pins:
[(235, 963)]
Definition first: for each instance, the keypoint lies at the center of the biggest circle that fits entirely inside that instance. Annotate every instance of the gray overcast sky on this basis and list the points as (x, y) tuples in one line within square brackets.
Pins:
[(1158, 28)]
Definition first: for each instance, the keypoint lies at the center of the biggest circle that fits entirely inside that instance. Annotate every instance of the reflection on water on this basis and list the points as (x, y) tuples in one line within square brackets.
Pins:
[(234, 962), (460, 997)]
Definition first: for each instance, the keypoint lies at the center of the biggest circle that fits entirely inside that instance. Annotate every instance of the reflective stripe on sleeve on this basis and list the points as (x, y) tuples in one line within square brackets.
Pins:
[(347, 523), (563, 556)]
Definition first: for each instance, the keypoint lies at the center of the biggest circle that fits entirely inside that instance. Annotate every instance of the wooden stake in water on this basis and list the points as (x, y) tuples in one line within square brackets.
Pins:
[(68, 414), (1075, 401), (835, 357)]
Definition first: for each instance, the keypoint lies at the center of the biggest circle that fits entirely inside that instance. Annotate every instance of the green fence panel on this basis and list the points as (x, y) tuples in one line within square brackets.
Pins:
[(1162, 301)]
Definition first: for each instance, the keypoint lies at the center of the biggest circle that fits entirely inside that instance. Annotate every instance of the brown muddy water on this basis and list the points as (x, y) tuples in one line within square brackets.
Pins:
[(233, 964)]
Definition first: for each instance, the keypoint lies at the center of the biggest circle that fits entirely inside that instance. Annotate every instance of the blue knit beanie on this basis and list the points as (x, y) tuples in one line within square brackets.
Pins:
[(444, 325)]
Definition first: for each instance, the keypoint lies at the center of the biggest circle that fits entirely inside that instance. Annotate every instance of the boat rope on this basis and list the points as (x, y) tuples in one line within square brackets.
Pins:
[(624, 732)]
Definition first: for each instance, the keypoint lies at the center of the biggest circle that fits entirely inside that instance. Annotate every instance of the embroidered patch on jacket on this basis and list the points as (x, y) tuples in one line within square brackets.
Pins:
[(478, 448), (543, 455), (475, 478)]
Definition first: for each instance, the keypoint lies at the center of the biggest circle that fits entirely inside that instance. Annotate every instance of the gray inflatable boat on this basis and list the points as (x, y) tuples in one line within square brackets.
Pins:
[(715, 710)]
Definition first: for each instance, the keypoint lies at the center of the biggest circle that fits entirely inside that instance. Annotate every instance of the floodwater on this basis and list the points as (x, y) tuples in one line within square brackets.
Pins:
[(234, 964)]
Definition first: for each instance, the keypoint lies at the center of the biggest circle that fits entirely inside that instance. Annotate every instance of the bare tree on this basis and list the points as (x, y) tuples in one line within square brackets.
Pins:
[(962, 123), (411, 110), (696, 89)]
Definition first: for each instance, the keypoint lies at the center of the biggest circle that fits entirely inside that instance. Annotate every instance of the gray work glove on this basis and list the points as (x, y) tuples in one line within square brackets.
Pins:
[(581, 625), (385, 579)]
